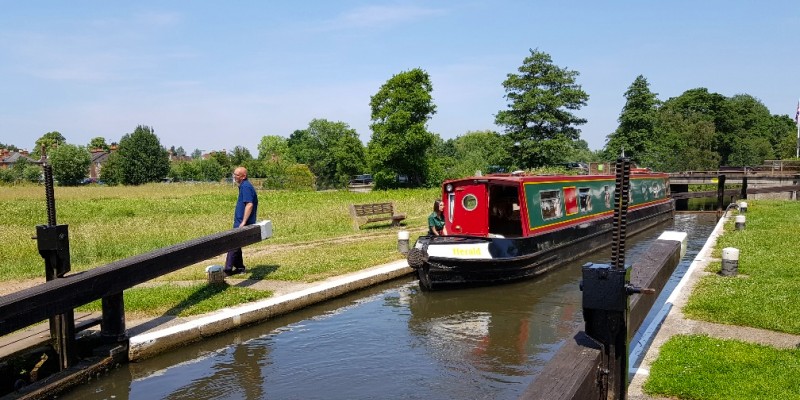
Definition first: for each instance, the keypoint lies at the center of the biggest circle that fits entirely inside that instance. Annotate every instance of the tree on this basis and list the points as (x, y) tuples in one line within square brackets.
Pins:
[(222, 158), (70, 164), (240, 155), (332, 151), (111, 173), (9, 147), (180, 152), (197, 153), (98, 143), (142, 158), (480, 151), (539, 120), (636, 123), (399, 143), (273, 148), (48, 141), (687, 142)]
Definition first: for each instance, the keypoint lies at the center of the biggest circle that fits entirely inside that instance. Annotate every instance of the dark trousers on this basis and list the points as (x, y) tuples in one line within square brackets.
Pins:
[(234, 260)]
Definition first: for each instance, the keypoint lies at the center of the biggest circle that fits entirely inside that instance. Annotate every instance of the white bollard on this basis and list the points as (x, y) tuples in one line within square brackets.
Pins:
[(215, 274), (742, 207), (740, 221), (730, 261), (402, 242)]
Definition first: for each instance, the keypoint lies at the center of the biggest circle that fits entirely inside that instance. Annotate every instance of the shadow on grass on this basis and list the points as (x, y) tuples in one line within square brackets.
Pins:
[(201, 294), (260, 272)]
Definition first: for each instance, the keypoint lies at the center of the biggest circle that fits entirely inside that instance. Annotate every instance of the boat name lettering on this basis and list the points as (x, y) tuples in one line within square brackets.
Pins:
[(469, 251)]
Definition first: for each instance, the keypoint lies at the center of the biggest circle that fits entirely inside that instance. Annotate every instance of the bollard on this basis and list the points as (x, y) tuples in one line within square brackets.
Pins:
[(740, 221), (730, 261), (402, 242), (742, 207), (215, 274)]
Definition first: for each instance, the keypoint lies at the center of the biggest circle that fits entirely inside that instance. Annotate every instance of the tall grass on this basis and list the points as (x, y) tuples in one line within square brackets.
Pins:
[(111, 223)]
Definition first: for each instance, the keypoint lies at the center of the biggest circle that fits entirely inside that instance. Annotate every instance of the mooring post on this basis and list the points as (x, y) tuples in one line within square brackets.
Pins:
[(53, 244), (605, 296), (744, 186), (720, 192)]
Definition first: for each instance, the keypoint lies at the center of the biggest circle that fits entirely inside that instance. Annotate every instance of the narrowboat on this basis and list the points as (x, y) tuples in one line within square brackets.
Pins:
[(508, 227)]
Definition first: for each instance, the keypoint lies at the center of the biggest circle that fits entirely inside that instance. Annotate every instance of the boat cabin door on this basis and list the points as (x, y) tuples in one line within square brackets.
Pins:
[(467, 210)]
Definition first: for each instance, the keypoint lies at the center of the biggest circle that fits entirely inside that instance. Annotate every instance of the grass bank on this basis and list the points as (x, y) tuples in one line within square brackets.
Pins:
[(313, 235), (765, 295)]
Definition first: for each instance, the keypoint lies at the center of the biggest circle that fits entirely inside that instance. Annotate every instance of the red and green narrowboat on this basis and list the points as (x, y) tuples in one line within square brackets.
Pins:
[(504, 228)]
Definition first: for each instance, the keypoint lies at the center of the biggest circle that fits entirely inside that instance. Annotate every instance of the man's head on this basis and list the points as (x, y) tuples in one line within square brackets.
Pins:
[(239, 174)]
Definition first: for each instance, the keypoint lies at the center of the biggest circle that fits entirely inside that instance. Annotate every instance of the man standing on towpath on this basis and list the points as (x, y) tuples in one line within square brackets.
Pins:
[(245, 214)]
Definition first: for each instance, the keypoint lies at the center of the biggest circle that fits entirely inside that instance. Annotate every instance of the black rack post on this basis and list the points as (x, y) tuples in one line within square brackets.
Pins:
[(605, 296), (53, 243)]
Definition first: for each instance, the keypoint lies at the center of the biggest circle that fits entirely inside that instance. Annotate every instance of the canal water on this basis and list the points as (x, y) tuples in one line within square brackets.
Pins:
[(391, 341)]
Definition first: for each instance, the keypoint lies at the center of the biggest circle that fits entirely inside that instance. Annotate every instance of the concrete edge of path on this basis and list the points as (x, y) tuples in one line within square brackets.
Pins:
[(154, 342)]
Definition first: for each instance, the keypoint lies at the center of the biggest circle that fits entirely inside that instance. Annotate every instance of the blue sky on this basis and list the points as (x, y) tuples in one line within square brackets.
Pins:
[(214, 75)]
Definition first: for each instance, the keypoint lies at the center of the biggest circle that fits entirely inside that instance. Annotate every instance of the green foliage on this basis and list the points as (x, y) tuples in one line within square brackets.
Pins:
[(142, 158), (48, 141), (240, 155), (539, 119), (299, 177), (32, 173), (111, 173), (477, 151), (202, 170), (222, 158), (286, 175), (70, 164), (331, 150), (274, 148), (636, 131), (400, 139), (10, 147), (699, 130), (98, 143), (197, 153)]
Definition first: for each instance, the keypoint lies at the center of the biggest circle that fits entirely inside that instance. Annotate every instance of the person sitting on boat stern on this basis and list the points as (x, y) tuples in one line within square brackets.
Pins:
[(436, 220)]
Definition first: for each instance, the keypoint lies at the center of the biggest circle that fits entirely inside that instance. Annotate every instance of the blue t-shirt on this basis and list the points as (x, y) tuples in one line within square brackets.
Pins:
[(247, 194)]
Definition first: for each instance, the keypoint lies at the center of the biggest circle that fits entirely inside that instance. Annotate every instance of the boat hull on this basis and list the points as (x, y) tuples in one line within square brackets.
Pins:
[(449, 262)]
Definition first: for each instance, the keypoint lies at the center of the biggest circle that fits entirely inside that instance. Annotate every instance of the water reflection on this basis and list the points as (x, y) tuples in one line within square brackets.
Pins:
[(391, 341)]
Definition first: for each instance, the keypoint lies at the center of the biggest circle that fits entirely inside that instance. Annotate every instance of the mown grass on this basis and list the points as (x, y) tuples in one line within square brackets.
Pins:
[(700, 367), (313, 237), (765, 294)]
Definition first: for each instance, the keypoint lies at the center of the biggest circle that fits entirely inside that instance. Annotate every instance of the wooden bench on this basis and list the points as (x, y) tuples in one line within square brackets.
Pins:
[(374, 212)]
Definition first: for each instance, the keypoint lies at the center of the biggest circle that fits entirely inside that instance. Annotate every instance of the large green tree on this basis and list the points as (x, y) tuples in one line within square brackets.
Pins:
[(400, 139), (48, 141), (539, 119), (274, 148), (332, 151), (70, 164), (636, 132), (142, 158)]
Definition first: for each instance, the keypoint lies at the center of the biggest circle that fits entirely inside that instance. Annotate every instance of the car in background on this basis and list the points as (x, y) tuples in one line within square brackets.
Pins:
[(363, 179), (581, 167)]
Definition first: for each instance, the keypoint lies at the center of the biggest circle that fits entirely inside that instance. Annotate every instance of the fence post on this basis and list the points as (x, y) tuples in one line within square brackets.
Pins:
[(744, 186), (720, 192)]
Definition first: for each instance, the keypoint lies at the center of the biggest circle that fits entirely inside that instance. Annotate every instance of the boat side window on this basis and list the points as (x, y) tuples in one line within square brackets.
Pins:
[(550, 201), (470, 202), (451, 205), (585, 199)]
